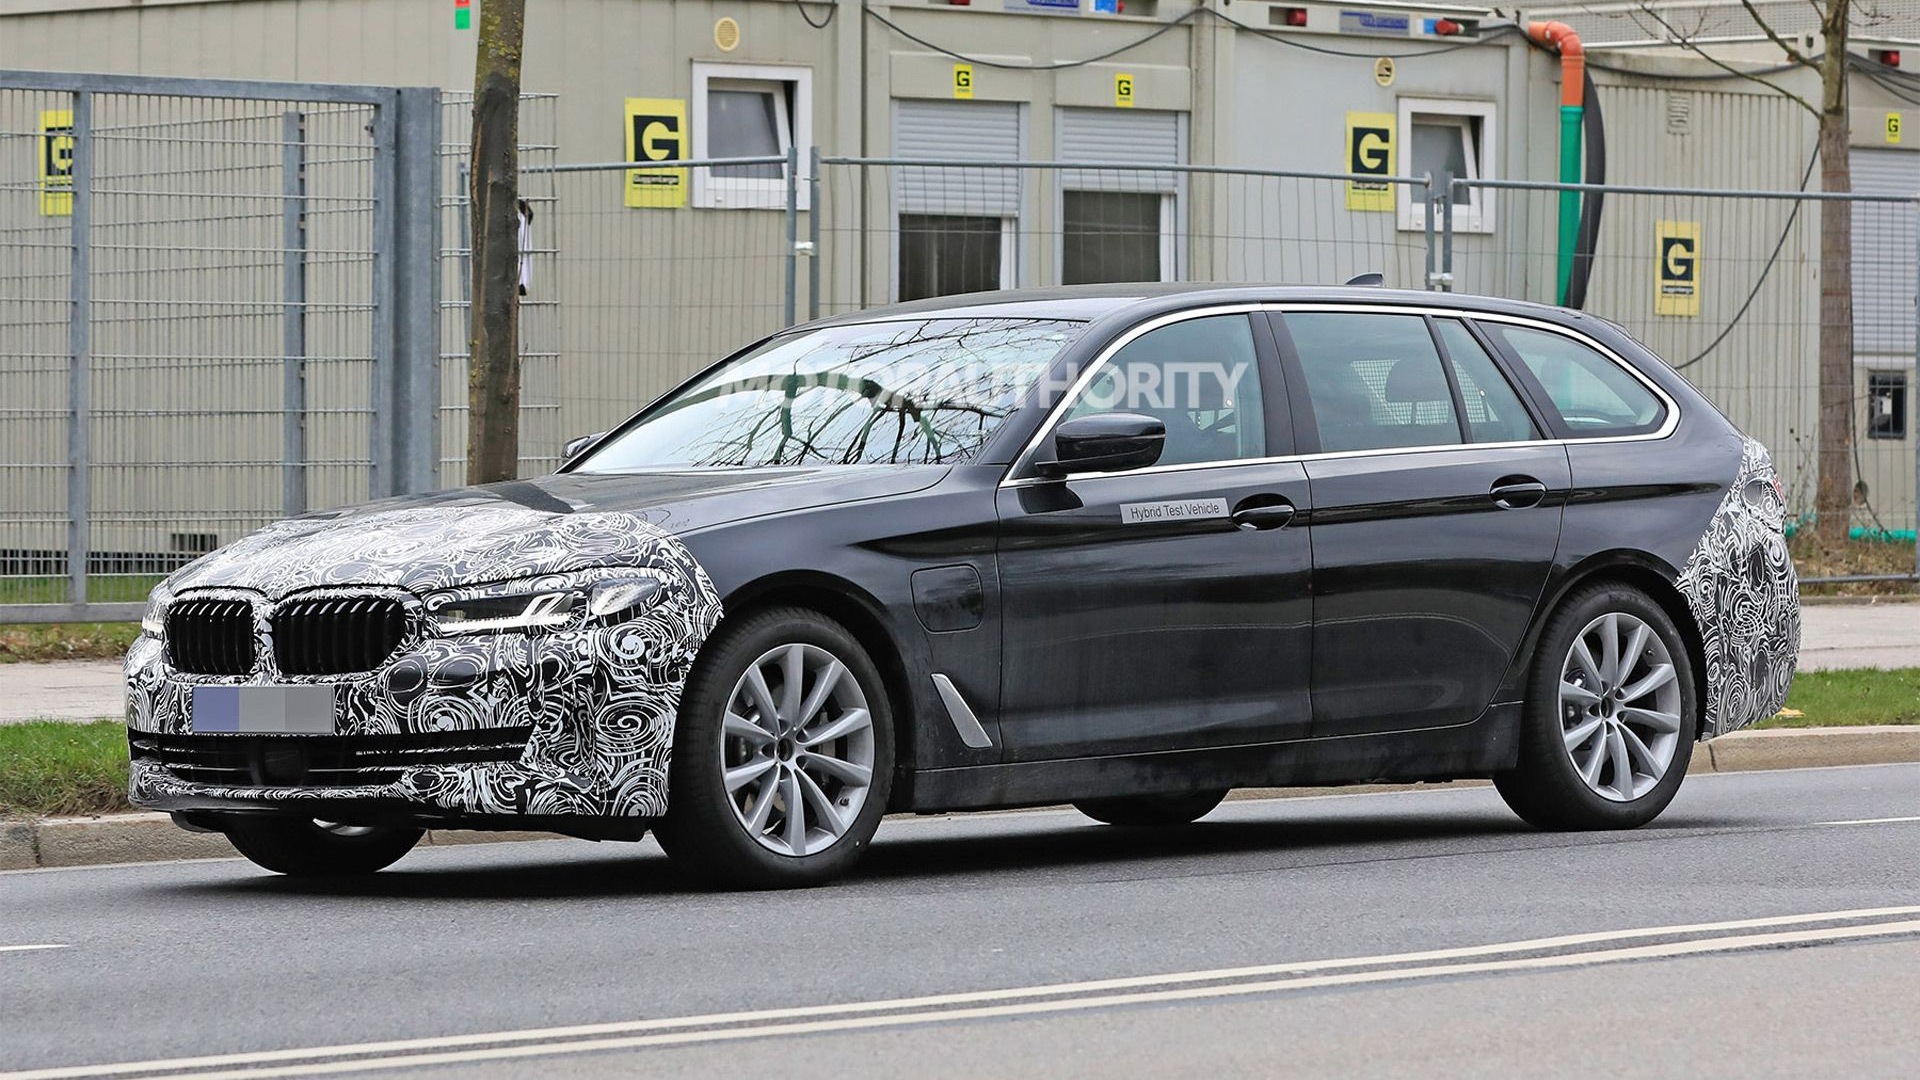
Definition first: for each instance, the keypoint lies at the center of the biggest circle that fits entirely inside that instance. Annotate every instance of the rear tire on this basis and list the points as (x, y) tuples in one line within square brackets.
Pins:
[(783, 756), (1611, 712), (303, 847), (1158, 811)]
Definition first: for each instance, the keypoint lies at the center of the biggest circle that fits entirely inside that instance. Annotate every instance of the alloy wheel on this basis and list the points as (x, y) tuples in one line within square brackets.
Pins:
[(797, 749), (1620, 707)]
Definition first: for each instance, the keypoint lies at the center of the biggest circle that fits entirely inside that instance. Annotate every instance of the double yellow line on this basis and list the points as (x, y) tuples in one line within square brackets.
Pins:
[(1537, 954)]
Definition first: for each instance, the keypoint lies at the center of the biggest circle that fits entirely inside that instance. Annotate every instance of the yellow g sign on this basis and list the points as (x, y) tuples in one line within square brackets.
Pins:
[(963, 81), (1677, 273), (1123, 91), (656, 131), (56, 163), (1370, 152)]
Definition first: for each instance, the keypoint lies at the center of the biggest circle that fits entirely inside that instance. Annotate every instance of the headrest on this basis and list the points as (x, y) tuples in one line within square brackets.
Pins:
[(1415, 380)]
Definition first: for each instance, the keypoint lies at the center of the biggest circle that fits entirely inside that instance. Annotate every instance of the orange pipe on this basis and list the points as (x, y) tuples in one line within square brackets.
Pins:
[(1560, 37)]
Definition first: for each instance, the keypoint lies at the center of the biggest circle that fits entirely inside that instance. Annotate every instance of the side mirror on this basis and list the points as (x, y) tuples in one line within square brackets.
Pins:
[(1105, 442), (577, 444)]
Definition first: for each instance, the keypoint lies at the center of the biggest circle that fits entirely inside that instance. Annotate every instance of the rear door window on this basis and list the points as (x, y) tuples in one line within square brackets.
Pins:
[(1593, 395), (1375, 381)]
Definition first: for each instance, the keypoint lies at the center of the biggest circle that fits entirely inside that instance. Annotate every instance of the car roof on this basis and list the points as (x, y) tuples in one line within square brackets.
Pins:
[(1091, 302)]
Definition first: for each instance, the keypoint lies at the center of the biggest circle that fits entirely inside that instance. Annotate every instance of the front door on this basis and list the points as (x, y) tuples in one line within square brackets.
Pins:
[(1436, 517), (1139, 616)]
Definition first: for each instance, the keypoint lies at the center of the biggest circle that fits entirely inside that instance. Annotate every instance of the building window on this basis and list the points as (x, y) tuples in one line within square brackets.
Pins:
[(944, 254), (1448, 137), (1114, 236), (748, 111), (1886, 405)]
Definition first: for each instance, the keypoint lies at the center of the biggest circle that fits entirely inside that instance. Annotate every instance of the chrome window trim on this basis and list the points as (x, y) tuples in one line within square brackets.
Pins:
[(1025, 457)]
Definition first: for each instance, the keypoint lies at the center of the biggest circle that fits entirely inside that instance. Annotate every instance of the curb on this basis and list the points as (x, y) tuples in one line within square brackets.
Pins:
[(146, 837)]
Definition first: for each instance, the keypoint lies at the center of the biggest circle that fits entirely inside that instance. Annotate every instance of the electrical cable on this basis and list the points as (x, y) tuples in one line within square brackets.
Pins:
[(808, 19), (1288, 40), (1282, 39), (1778, 246), (1060, 65), (1715, 76), (1595, 128)]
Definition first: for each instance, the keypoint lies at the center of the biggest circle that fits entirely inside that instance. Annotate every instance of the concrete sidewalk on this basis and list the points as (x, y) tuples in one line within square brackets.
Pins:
[(1862, 635)]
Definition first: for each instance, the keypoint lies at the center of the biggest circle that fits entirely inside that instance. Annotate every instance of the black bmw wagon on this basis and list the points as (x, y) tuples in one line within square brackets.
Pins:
[(1120, 547)]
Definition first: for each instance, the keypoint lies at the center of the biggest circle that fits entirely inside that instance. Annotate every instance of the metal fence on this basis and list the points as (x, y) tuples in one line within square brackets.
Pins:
[(222, 302), (542, 377), (1740, 316), (211, 297)]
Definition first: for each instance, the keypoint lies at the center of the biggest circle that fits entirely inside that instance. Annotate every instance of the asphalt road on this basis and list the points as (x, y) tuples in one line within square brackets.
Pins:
[(1767, 925)]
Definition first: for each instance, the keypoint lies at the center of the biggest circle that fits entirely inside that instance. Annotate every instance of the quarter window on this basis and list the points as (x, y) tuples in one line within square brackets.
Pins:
[(1375, 381), (1494, 412), (1199, 377), (1593, 395)]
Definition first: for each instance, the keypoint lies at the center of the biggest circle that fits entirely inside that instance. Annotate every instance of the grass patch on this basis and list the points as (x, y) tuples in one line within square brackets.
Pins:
[(66, 641), (1815, 559), (1851, 699), (101, 589), (54, 769)]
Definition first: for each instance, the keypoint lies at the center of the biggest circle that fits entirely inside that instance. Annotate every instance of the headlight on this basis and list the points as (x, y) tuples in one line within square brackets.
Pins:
[(523, 611), (154, 619), (548, 604)]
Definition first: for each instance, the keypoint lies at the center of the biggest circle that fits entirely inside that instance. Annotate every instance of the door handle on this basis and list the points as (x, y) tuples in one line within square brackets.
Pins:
[(1272, 516), (1517, 492)]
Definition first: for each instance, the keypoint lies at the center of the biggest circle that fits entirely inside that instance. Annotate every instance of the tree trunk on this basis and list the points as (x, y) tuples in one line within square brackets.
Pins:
[(1835, 498), (493, 328)]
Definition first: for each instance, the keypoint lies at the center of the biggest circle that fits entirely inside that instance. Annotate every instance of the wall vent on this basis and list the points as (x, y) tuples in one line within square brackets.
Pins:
[(1679, 113)]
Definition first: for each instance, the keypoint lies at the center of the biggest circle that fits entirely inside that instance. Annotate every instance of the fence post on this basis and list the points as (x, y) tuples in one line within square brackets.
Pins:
[(1447, 181), (1913, 387), (790, 309), (813, 237), (1433, 252), (415, 274), (80, 350), (293, 313)]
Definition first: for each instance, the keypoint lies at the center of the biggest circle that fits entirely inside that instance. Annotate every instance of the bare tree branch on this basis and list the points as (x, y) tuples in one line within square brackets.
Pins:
[(1687, 42), (1766, 28)]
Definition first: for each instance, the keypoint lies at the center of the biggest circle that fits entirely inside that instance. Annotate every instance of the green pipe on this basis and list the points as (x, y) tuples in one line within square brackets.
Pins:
[(1570, 120)]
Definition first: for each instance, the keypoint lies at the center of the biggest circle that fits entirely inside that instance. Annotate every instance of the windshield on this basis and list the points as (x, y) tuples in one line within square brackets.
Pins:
[(925, 391)]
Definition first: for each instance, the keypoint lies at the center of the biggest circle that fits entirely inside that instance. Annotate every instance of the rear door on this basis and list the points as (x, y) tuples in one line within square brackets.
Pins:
[(1437, 507), (1139, 616)]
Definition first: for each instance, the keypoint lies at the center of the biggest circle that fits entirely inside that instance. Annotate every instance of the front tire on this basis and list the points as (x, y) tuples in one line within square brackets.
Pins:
[(783, 757), (303, 847), (1610, 715), (1159, 811)]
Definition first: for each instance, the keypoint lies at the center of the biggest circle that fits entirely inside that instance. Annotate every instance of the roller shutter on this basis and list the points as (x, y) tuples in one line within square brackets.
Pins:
[(1886, 251), (983, 131), (1120, 137)]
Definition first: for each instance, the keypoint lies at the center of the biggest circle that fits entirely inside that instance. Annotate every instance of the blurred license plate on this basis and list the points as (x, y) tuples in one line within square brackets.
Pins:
[(280, 710)]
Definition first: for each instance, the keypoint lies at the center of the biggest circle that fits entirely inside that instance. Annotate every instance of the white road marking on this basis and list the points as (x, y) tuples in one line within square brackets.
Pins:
[(940, 1008), (28, 948), (1872, 821)]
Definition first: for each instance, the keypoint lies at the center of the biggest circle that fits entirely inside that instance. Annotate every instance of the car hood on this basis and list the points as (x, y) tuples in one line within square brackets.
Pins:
[(524, 528)]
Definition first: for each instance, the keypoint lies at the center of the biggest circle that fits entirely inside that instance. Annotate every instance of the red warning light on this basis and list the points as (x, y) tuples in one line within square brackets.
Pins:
[(1889, 57), (1296, 16), (1445, 27)]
